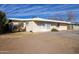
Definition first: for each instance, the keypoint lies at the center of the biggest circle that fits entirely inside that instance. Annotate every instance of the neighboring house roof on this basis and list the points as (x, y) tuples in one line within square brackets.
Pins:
[(39, 19), (75, 23)]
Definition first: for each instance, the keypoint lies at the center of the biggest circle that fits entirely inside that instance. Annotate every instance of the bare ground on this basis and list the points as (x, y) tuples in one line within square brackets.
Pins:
[(49, 42)]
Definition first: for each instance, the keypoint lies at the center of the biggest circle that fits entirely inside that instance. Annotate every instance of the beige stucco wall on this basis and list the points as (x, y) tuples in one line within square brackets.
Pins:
[(75, 27), (32, 26), (48, 26), (62, 27), (35, 26), (15, 23)]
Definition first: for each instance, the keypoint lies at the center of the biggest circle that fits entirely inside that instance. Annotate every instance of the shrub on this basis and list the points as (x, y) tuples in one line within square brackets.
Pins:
[(31, 31), (54, 30)]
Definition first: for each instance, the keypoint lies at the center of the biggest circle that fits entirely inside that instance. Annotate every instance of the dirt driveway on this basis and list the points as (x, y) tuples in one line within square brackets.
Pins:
[(49, 42)]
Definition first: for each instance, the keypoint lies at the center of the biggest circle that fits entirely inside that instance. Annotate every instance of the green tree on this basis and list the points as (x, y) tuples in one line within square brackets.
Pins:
[(3, 21)]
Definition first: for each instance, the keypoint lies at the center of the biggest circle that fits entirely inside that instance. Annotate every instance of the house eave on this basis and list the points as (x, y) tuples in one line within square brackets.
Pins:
[(39, 19)]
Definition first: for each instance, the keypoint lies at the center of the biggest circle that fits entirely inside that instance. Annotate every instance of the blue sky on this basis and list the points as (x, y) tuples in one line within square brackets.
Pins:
[(40, 10)]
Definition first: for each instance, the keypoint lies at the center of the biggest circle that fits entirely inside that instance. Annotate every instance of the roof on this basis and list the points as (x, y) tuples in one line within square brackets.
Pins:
[(75, 22), (39, 19)]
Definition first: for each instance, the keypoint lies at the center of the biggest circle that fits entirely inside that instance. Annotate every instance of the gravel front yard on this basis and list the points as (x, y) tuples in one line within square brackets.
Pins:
[(49, 42)]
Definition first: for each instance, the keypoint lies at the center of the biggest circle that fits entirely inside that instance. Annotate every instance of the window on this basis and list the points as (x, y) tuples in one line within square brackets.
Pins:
[(47, 26), (41, 25), (58, 24)]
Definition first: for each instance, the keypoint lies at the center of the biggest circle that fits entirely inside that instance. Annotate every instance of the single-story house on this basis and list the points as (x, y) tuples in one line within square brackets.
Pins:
[(75, 25), (40, 24)]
